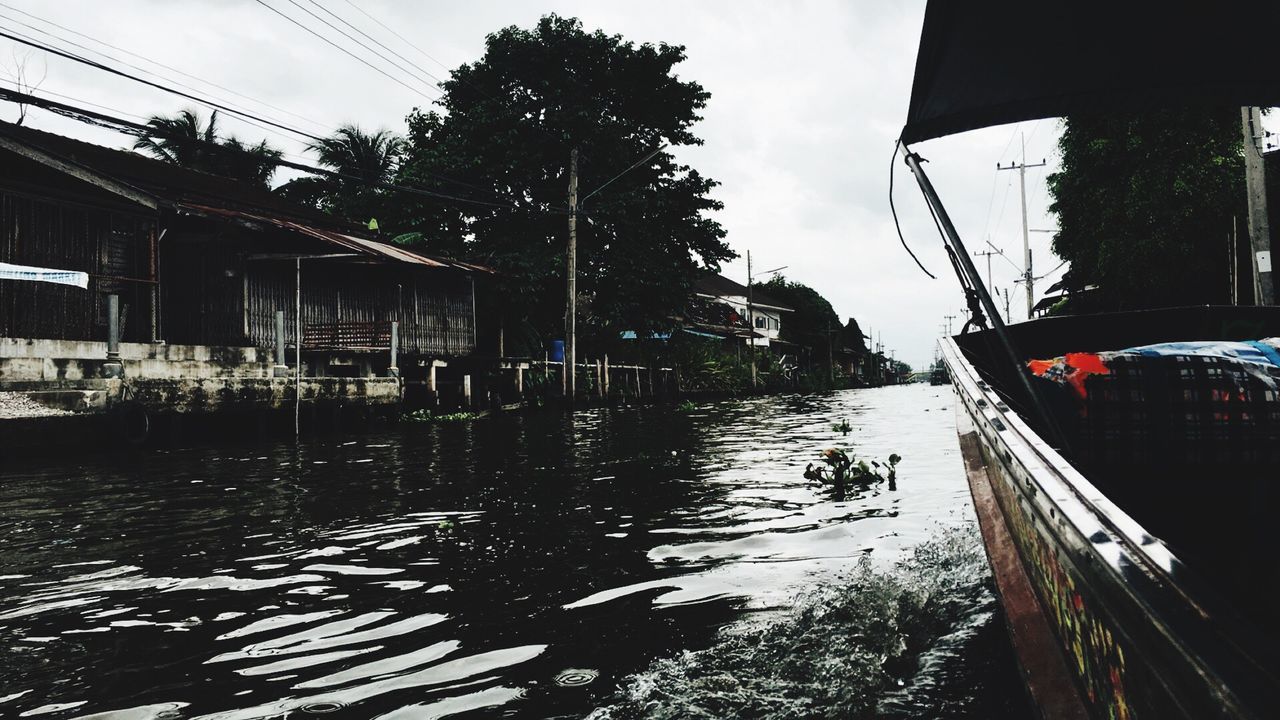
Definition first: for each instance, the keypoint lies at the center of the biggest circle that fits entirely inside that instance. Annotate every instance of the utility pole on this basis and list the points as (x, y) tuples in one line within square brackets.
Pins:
[(1007, 317), (1026, 235), (949, 318), (571, 284), (988, 254), (751, 320), (1256, 186)]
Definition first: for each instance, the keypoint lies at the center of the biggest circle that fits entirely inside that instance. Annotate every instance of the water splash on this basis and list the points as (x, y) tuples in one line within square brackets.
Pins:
[(873, 643)]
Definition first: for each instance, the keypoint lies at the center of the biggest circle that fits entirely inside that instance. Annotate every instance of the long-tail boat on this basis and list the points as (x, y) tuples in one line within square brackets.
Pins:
[(1127, 506)]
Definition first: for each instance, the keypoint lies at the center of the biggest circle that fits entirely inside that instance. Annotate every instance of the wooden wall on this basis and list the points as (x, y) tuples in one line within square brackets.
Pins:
[(115, 247), (221, 288)]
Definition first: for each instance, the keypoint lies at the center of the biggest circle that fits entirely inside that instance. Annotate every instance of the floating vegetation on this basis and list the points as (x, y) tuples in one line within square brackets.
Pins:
[(843, 427), (426, 416), (686, 406), (873, 644), (840, 469)]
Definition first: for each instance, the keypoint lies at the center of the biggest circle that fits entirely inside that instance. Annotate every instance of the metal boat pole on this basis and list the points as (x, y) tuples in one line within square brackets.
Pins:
[(952, 237)]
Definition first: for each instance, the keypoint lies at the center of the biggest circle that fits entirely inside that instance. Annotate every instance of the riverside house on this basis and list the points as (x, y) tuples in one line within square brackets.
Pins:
[(200, 265), (765, 312)]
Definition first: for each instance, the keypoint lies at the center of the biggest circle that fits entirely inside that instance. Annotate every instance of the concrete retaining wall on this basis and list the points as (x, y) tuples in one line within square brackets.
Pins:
[(201, 395), (59, 362)]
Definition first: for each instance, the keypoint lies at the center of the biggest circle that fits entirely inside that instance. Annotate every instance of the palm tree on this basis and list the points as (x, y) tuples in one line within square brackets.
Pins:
[(184, 140), (363, 159), (180, 139)]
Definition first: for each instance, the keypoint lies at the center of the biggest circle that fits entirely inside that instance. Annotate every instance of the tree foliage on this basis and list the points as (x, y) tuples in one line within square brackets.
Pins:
[(186, 140), (503, 141), (814, 322), (1145, 204), (366, 157)]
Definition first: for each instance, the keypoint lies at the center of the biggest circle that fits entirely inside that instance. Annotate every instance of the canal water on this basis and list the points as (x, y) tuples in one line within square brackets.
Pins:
[(622, 563)]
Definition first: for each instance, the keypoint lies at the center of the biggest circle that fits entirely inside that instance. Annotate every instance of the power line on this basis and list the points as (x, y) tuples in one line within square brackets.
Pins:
[(107, 68), (340, 19), (633, 166), (343, 33), (138, 129), (157, 63), (393, 32), (148, 72), (239, 114), (375, 68), (117, 111)]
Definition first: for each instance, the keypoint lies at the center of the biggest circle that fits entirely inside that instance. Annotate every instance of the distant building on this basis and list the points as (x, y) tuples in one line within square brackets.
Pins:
[(202, 260), (764, 313), (851, 352)]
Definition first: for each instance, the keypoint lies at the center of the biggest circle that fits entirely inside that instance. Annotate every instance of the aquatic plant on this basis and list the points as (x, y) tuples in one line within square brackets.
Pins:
[(686, 406), (426, 416), (840, 468), (842, 427)]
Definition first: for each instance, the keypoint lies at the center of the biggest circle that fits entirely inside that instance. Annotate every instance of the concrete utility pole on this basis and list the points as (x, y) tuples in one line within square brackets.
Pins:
[(1026, 235), (988, 254), (751, 320), (1256, 186), (571, 284)]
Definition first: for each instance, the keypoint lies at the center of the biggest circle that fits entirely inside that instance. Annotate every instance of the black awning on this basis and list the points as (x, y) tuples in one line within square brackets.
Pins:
[(990, 63)]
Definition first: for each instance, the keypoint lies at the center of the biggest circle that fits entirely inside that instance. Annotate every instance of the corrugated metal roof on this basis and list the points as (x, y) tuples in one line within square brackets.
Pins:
[(373, 248), (208, 194)]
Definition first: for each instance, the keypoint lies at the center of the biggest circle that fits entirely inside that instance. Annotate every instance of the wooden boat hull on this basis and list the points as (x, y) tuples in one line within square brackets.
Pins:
[(1132, 632)]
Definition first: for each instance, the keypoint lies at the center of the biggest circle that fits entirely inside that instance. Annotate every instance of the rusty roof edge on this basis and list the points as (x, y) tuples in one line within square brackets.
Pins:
[(370, 247)]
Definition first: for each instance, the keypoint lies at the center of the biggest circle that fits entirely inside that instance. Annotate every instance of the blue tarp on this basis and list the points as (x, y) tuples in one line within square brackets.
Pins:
[(1253, 351)]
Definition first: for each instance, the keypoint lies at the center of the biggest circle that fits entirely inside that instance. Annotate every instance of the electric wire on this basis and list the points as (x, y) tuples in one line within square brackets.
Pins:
[(345, 51), (633, 166), (347, 35), (237, 114), (138, 129), (114, 71), (157, 63), (896, 224), (398, 35), (340, 19), (271, 131)]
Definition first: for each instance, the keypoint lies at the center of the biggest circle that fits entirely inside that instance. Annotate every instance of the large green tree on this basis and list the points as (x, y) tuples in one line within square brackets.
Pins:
[(503, 143), (185, 139), (1145, 205), (814, 323)]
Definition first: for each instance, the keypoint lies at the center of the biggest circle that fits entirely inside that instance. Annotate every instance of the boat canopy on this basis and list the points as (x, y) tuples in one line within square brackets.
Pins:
[(1004, 61)]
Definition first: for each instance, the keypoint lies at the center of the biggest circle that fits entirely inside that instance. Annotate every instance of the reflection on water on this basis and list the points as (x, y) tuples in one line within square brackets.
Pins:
[(519, 565)]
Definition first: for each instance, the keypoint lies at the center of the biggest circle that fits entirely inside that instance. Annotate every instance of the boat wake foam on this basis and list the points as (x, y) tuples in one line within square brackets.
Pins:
[(907, 641)]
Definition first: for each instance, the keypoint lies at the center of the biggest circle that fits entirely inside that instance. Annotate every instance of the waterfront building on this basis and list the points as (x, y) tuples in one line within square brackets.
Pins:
[(197, 260), (764, 312)]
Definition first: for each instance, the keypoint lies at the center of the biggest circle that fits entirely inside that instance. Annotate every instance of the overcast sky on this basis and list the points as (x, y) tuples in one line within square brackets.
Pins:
[(806, 100)]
